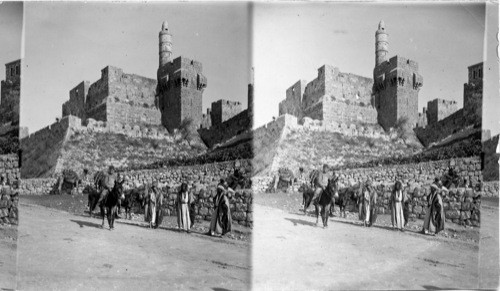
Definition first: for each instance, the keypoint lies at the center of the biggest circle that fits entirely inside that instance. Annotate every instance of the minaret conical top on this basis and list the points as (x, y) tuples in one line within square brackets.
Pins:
[(381, 24)]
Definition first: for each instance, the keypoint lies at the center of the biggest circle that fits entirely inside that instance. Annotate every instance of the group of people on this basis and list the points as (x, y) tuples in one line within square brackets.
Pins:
[(400, 207), (221, 221), (399, 202), (185, 204)]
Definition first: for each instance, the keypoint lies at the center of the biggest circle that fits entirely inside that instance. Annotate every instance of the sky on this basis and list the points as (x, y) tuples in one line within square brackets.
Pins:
[(67, 43), (11, 26), (292, 40)]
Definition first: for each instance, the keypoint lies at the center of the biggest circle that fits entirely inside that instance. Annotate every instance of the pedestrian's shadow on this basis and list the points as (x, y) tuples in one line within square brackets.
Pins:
[(82, 223), (300, 221)]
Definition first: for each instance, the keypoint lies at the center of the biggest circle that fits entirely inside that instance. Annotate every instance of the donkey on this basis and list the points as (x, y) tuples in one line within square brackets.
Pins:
[(326, 200), (110, 204)]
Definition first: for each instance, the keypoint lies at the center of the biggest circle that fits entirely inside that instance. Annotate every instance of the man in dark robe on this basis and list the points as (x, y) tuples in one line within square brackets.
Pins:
[(221, 222)]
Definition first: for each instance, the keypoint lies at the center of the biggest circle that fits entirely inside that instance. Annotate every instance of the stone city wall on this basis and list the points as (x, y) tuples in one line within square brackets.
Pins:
[(421, 173), (41, 149), (115, 97), (132, 88), (344, 112), (223, 110), (333, 96), (490, 189), (442, 129), (9, 168), (473, 103), (9, 201), (125, 113), (37, 186), (9, 105), (343, 86), (222, 132), (438, 109), (293, 101), (490, 156)]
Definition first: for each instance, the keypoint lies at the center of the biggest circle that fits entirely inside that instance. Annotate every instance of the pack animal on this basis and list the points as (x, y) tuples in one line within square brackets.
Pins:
[(132, 198), (307, 195), (110, 204), (344, 197), (326, 200)]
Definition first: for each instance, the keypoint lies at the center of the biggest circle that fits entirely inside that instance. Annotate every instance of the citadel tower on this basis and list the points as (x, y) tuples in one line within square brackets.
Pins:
[(180, 86), (396, 85), (10, 93)]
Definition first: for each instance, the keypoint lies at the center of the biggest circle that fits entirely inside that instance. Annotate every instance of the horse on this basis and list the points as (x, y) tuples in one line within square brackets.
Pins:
[(326, 199), (110, 204)]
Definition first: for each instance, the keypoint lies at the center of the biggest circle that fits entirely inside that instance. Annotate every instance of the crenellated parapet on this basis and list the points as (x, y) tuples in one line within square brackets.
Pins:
[(116, 97)]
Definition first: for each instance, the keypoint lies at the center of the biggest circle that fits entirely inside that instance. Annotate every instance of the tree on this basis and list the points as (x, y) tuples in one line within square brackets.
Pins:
[(403, 128), (186, 130)]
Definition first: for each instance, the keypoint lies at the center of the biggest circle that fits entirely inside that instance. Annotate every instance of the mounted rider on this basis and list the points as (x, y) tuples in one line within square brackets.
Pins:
[(320, 183), (107, 183)]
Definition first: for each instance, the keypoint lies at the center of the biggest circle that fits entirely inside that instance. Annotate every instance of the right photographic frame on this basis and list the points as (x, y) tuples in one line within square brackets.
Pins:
[(375, 146)]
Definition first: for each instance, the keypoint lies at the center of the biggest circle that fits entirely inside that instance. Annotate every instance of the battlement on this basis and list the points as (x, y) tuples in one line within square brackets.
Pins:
[(10, 94), (476, 73), (180, 88), (445, 119), (13, 71), (473, 94), (293, 101), (396, 86), (332, 97), (439, 109), (223, 110), (115, 97)]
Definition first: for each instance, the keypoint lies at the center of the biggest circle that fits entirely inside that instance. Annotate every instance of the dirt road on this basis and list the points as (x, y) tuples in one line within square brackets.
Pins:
[(8, 247), (290, 253), (62, 251), (489, 263)]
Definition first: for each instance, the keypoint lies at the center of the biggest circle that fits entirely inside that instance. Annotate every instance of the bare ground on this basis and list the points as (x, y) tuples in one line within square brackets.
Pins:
[(58, 250), (290, 253), (8, 248), (489, 263)]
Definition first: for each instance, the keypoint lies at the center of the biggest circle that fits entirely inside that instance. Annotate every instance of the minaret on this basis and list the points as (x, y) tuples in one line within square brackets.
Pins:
[(381, 44), (165, 45)]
